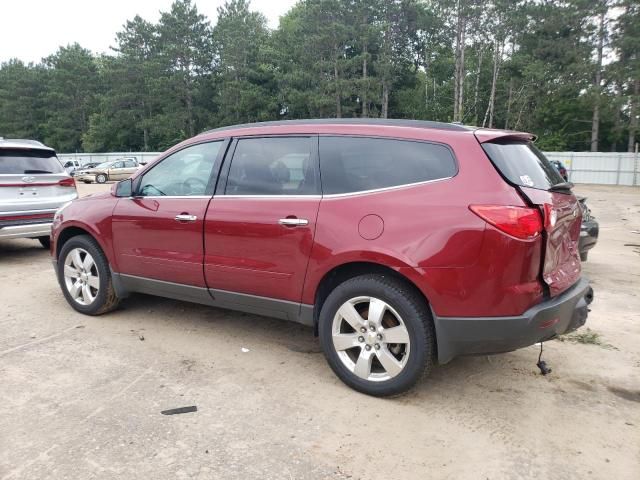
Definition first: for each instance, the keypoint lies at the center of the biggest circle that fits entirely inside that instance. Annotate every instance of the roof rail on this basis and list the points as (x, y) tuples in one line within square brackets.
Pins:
[(348, 121)]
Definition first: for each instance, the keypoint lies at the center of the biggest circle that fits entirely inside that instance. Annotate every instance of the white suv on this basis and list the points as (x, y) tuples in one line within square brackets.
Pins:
[(33, 185)]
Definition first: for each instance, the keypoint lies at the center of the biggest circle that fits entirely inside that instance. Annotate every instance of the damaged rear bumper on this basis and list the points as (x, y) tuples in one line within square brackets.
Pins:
[(485, 335)]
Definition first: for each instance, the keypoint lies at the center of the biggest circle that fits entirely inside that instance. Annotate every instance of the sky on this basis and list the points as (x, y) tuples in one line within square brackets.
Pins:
[(33, 29)]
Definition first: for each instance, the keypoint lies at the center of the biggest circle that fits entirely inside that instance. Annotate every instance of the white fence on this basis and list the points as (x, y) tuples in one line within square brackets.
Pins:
[(600, 167), (583, 167)]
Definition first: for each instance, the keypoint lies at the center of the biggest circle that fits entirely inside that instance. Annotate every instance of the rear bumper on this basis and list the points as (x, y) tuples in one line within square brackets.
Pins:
[(26, 231), (486, 335)]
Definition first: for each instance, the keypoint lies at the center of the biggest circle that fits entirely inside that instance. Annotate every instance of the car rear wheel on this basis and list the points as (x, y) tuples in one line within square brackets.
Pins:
[(377, 335), (85, 277), (101, 178), (45, 242)]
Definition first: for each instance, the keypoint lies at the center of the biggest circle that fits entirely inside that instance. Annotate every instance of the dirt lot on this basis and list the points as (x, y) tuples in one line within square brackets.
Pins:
[(80, 397)]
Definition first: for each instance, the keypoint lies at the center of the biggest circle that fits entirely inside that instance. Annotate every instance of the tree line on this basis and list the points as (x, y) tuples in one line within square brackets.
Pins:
[(566, 70)]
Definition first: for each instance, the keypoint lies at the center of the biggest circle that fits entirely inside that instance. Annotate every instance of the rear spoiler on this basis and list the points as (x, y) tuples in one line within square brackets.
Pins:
[(484, 135)]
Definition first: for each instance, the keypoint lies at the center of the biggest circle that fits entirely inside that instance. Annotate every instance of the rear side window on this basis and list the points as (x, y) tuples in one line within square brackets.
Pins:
[(356, 164), (26, 162), (523, 164), (273, 166)]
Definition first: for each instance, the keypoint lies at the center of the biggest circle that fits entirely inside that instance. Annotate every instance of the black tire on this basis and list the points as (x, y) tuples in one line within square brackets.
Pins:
[(45, 242), (86, 181), (106, 299), (584, 256), (101, 178), (415, 314)]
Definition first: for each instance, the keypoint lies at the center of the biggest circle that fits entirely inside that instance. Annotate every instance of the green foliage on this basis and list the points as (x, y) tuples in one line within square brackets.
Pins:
[(527, 66)]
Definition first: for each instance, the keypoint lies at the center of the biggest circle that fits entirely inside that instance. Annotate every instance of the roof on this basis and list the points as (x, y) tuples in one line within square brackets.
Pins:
[(22, 143), (348, 121)]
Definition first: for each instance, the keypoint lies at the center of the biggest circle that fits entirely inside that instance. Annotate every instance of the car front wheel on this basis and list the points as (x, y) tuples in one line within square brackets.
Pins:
[(101, 178), (377, 334), (84, 276)]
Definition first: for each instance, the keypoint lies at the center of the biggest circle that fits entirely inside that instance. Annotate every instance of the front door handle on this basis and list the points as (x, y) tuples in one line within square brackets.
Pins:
[(184, 217), (293, 222)]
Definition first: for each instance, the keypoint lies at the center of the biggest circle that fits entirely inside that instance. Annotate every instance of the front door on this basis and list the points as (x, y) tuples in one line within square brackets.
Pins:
[(259, 228), (157, 233)]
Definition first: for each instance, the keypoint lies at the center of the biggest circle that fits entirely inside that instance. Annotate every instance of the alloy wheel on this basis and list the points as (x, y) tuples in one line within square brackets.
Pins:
[(370, 338), (81, 276)]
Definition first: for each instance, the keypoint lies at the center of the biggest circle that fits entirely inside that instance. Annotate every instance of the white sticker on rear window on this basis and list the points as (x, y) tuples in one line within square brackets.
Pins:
[(526, 180)]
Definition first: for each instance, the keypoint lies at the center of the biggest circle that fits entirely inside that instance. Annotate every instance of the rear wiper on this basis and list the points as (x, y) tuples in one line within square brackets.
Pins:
[(36, 171), (561, 186)]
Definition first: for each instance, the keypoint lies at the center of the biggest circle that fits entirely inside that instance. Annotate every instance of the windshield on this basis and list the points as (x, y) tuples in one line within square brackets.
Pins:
[(103, 165), (24, 162), (523, 164)]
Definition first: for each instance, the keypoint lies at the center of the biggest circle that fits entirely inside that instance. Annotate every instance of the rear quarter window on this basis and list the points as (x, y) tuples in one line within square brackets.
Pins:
[(27, 162), (357, 164), (521, 163)]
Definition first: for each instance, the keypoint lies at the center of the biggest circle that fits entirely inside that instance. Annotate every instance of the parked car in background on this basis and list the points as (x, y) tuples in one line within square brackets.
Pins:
[(114, 170), (33, 185), (589, 230), (401, 243), (561, 169), (84, 167), (71, 166)]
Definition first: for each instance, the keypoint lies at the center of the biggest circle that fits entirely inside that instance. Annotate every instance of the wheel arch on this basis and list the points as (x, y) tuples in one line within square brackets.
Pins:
[(345, 271), (74, 230)]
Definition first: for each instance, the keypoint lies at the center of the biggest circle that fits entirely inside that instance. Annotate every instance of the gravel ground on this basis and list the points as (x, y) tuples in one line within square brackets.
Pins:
[(80, 397)]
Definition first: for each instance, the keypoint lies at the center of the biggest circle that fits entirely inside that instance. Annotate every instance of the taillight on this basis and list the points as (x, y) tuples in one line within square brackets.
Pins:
[(520, 222), (67, 182), (550, 216)]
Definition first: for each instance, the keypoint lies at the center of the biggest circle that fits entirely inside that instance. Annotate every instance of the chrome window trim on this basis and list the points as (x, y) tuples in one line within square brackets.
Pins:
[(338, 195), (314, 196), (195, 197), (384, 189)]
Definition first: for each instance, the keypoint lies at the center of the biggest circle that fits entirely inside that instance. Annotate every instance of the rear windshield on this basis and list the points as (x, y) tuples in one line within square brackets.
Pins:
[(523, 164), (26, 162)]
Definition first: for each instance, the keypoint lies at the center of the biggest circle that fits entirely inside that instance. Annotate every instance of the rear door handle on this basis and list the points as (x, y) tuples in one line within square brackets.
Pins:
[(293, 222), (184, 217)]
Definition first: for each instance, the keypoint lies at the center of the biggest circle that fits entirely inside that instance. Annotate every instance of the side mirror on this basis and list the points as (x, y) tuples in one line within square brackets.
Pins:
[(124, 188)]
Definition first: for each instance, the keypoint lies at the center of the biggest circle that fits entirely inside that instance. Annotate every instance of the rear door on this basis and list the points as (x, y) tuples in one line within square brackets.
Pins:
[(33, 181), (116, 171), (260, 226), (130, 167), (525, 167)]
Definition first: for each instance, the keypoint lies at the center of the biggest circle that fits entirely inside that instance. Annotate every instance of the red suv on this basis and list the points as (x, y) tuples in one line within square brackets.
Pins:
[(402, 243)]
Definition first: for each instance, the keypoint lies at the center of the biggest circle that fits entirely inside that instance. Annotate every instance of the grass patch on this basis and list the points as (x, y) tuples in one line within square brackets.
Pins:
[(586, 337)]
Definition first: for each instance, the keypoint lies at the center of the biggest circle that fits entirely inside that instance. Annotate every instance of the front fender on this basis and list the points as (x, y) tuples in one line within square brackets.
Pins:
[(91, 215)]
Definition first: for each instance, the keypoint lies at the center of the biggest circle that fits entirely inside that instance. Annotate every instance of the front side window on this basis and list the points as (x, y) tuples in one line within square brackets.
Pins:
[(184, 173), (357, 164), (129, 164), (273, 166), (117, 165)]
